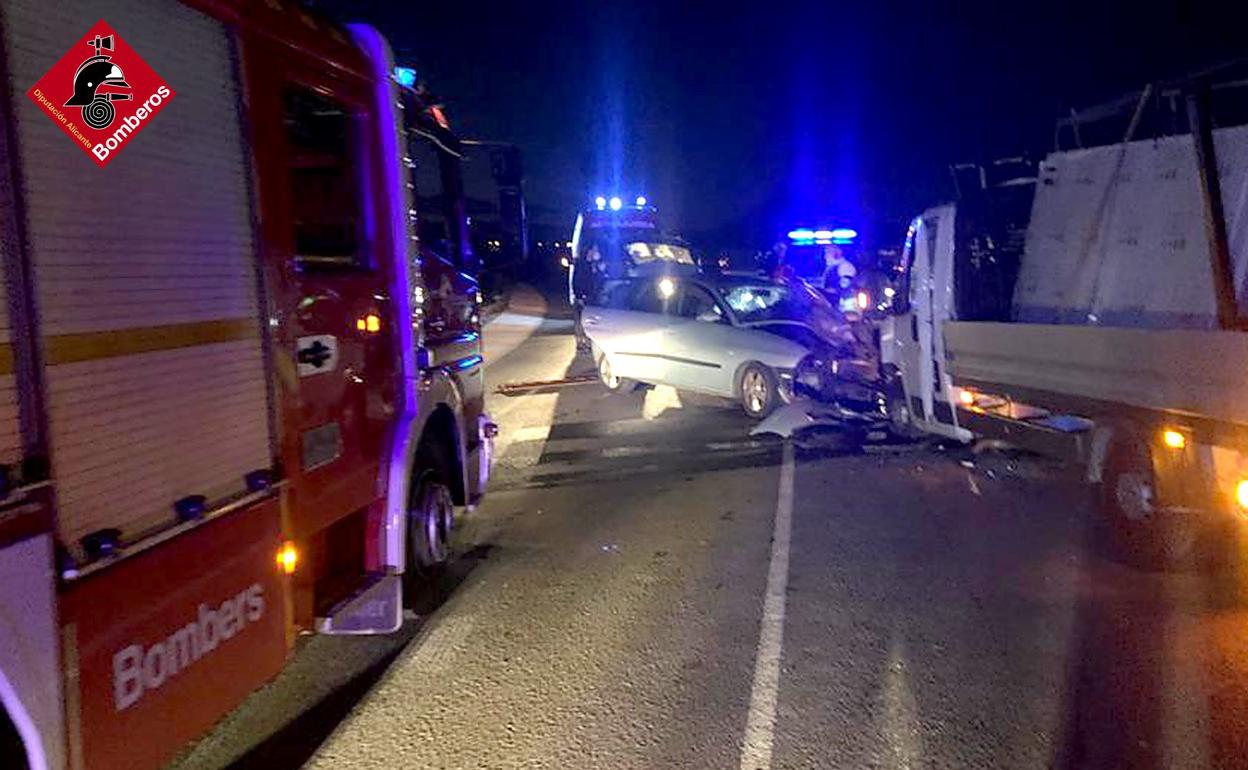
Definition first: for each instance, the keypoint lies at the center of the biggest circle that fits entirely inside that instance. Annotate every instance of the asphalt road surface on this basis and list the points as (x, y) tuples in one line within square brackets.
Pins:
[(647, 586)]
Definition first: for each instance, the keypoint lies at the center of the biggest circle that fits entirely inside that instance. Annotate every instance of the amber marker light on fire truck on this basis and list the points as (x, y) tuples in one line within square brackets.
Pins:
[(967, 397), (370, 323), (288, 558), (1173, 439)]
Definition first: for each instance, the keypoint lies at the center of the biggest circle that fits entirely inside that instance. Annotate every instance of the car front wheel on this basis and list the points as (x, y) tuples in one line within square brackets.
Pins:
[(760, 391), (609, 379)]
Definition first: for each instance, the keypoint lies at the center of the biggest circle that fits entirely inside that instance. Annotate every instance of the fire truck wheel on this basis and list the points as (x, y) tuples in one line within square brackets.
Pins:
[(1140, 531), (430, 518), (760, 391)]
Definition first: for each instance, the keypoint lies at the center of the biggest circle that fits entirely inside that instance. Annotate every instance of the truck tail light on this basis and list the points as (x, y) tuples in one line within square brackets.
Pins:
[(288, 558)]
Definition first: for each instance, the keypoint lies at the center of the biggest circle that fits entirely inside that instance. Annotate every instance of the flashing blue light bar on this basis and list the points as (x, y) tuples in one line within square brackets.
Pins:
[(823, 235), (842, 241), (616, 203), (641, 200), (802, 234), (843, 234), (405, 76), (600, 202)]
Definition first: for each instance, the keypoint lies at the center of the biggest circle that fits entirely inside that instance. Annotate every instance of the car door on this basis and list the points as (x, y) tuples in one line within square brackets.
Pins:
[(629, 329), (333, 324), (702, 345), (918, 345)]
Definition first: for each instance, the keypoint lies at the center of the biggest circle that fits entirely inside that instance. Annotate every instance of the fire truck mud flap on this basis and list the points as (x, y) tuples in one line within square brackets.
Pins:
[(161, 645), (377, 608)]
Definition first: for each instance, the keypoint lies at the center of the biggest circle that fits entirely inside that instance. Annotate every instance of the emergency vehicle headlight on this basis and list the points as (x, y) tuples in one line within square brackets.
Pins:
[(641, 200), (616, 203), (639, 251), (667, 288), (600, 202)]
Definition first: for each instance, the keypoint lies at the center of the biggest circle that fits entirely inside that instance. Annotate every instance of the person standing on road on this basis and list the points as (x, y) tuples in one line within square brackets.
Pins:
[(586, 284), (838, 272)]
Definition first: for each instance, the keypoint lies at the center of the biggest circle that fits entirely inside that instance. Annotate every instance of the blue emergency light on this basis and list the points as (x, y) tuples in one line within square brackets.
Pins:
[(805, 236), (405, 76), (600, 202)]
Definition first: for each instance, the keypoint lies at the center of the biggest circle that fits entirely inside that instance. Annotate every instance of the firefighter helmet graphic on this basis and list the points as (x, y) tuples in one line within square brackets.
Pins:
[(94, 72)]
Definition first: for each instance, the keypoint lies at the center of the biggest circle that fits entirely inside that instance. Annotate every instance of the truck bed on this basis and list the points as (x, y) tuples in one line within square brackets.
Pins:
[(1194, 372)]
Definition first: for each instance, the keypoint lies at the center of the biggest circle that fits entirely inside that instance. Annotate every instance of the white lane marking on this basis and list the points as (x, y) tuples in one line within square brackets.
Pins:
[(530, 433), (901, 710), (756, 745), (1184, 708)]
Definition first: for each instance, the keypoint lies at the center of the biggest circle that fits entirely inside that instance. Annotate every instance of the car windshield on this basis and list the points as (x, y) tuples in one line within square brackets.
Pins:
[(758, 301), (642, 252)]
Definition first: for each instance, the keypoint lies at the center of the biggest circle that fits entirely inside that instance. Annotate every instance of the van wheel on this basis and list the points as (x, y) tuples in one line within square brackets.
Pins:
[(760, 392), (1143, 533), (430, 519)]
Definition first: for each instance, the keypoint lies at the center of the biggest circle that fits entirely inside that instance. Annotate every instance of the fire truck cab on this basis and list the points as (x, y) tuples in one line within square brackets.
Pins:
[(241, 378)]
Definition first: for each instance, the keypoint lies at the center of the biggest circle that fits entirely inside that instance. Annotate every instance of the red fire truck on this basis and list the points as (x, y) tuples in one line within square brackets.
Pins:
[(240, 372)]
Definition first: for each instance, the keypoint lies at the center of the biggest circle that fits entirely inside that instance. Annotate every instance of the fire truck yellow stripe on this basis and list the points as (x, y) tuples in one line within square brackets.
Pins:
[(92, 346)]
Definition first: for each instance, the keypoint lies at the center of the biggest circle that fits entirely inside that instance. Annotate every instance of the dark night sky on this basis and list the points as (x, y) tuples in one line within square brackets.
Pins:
[(763, 113)]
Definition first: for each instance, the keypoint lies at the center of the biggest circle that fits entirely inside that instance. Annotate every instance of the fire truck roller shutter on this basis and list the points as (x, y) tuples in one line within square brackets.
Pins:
[(10, 436), (145, 277)]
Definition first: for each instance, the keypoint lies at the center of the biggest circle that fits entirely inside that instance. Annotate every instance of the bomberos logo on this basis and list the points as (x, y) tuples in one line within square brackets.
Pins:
[(100, 93)]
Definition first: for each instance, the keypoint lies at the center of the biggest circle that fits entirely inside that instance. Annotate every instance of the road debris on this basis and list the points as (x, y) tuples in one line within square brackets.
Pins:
[(537, 387)]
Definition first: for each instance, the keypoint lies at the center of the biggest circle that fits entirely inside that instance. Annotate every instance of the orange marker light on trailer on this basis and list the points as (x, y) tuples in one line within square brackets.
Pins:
[(288, 558), (1174, 439), (1241, 495), (372, 323)]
